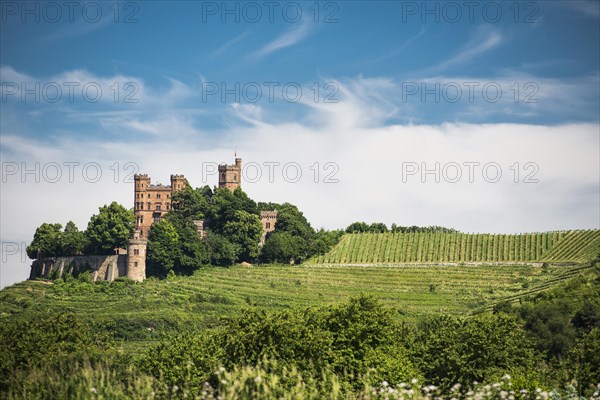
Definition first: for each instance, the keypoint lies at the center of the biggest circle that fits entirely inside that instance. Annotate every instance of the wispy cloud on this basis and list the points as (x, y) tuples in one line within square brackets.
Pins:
[(473, 49), (290, 38), (77, 28), (219, 52), (408, 42)]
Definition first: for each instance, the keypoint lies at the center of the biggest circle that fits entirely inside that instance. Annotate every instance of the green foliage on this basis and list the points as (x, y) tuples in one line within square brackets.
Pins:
[(46, 241), (72, 241), (450, 350), (190, 204), (223, 206), (187, 360), (163, 248), (282, 247), (244, 230), (584, 362), (111, 228), (221, 251), (290, 219), (48, 341), (323, 241), (549, 324), (85, 380)]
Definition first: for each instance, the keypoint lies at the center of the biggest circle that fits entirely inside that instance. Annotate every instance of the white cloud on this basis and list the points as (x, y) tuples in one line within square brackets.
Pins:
[(483, 41), (290, 38), (366, 153)]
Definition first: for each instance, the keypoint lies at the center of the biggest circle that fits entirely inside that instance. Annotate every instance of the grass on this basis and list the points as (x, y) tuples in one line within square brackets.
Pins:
[(140, 313)]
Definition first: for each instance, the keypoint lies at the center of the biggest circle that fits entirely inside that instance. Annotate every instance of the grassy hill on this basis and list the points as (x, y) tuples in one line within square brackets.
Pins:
[(374, 248), (139, 313)]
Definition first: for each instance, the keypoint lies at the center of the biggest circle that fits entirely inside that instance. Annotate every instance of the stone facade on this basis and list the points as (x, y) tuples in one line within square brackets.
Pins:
[(268, 220), (136, 257), (230, 176), (152, 201), (200, 228), (103, 268)]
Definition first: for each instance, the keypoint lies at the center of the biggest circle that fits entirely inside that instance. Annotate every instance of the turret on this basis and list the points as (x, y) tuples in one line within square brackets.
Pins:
[(178, 182), (230, 176), (136, 257)]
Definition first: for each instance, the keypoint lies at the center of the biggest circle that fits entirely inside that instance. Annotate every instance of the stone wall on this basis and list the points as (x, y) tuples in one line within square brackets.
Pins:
[(103, 268)]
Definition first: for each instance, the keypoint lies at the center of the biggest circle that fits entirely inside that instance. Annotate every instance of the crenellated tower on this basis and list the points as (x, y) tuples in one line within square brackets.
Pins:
[(230, 176)]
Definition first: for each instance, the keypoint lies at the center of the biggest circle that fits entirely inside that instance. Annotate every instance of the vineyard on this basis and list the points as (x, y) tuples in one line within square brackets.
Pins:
[(381, 248), (142, 311)]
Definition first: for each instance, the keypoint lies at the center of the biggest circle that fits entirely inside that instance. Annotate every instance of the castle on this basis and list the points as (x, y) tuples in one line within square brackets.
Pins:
[(151, 203)]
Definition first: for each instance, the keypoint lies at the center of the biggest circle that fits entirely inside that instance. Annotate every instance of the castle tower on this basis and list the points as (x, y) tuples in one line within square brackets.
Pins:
[(136, 257), (230, 176), (268, 220), (178, 182)]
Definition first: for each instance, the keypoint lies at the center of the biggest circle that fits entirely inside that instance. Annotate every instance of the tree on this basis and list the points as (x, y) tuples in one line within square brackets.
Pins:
[(291, 219), (357, 227), (221, 251), (191, 203), (111, 228), (244, 230), (46, 241), (192, 251), (282, 247), (163, 248), (72, 241), (324, 240), (378, 227)]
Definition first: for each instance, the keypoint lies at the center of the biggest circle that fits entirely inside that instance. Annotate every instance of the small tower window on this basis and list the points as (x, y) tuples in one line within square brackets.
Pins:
[(268, 225)]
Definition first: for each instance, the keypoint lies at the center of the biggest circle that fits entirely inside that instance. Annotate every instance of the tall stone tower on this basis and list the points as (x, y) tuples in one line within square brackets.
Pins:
[(230, 176), (136, 257)]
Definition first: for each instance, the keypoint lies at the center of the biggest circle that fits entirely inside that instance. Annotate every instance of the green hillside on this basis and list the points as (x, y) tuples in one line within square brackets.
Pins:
[(375, 248), (140, 312)]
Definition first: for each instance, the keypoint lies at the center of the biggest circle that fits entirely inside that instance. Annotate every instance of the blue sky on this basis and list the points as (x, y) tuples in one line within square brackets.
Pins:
[(379, 82)]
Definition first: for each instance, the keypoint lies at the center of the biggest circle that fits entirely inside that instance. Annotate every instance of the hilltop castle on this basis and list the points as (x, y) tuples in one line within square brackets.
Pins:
[(151, 203)]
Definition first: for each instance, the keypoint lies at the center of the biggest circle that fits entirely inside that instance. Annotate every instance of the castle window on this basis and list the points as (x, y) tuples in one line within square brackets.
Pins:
[(268, 225), (158, 196), (234, 177), (149, 206), (141, 218), (158, 207), (148, 195), (156, 219), (136, 252), (135, 264)]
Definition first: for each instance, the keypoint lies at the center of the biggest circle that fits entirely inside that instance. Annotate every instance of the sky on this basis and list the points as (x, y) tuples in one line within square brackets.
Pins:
[(482, 116)]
